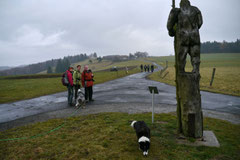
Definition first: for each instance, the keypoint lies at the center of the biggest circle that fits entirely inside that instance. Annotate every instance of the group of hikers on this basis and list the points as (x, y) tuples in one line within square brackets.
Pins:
[(147, 68), (76, 79)]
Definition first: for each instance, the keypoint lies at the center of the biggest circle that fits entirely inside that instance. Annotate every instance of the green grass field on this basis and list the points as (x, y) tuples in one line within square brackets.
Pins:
[(227, 77), (19, 89), (109, 136)]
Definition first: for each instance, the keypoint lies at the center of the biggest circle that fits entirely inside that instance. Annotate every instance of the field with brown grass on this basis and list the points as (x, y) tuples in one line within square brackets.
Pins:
[(227, 77)]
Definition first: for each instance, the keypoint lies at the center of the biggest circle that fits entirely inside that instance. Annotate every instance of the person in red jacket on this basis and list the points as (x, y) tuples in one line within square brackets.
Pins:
[(70, 85), (87, 83)]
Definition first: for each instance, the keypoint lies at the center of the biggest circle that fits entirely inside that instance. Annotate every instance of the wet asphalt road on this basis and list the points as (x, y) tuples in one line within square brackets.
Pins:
[(130, 89)]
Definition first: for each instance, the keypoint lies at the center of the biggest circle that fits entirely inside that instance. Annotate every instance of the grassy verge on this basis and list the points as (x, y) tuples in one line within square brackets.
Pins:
[(227, 75), (109, 136), (18, 89)]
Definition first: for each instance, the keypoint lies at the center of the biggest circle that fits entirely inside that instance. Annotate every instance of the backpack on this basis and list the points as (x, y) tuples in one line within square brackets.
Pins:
[(65, 81)]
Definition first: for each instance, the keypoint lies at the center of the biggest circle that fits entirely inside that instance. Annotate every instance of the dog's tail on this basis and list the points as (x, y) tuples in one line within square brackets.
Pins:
[(132, 124)]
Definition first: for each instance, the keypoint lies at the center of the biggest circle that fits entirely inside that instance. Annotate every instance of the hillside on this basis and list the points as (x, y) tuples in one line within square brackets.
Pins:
[(62, 64), (41, 66), (95, 65)]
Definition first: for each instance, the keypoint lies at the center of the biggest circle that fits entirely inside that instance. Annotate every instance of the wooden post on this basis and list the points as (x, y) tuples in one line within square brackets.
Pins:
[(189, 103), (213, 74), (161, 72), (165, 75)]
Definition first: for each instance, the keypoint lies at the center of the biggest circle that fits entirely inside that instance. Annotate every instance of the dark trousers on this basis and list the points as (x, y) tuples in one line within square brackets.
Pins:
[(88, 93), (70, 94), (76, 87)]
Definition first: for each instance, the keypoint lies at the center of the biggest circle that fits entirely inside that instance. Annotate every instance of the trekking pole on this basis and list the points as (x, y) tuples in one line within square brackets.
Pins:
[(173, 3)]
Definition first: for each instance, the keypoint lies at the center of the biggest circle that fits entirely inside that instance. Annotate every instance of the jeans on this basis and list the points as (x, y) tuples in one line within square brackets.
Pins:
[(70, 94)]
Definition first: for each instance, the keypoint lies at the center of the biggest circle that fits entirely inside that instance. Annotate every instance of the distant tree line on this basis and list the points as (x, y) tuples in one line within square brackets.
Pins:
[(93, 55), (99, 59), (221, 47), (60, 65), (49, 69)]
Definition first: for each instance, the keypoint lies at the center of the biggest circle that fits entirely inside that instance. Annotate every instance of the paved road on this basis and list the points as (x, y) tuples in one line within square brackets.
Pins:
[(132, 89)]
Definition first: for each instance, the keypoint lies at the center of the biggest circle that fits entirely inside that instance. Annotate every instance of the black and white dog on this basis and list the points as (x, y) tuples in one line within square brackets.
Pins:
[(143, 135), (80, 101)]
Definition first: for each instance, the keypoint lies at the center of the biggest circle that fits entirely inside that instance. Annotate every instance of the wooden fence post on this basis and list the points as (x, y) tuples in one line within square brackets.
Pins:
[(213, 74)]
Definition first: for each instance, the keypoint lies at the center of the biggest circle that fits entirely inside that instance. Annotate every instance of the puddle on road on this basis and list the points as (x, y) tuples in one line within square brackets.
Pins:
[(60, 99)]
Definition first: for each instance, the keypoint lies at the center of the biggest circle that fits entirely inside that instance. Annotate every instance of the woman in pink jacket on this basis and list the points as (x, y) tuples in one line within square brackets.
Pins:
[(70, 86)]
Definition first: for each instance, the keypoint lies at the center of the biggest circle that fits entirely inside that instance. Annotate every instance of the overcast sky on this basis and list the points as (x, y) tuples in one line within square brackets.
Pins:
[(37, 30)]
